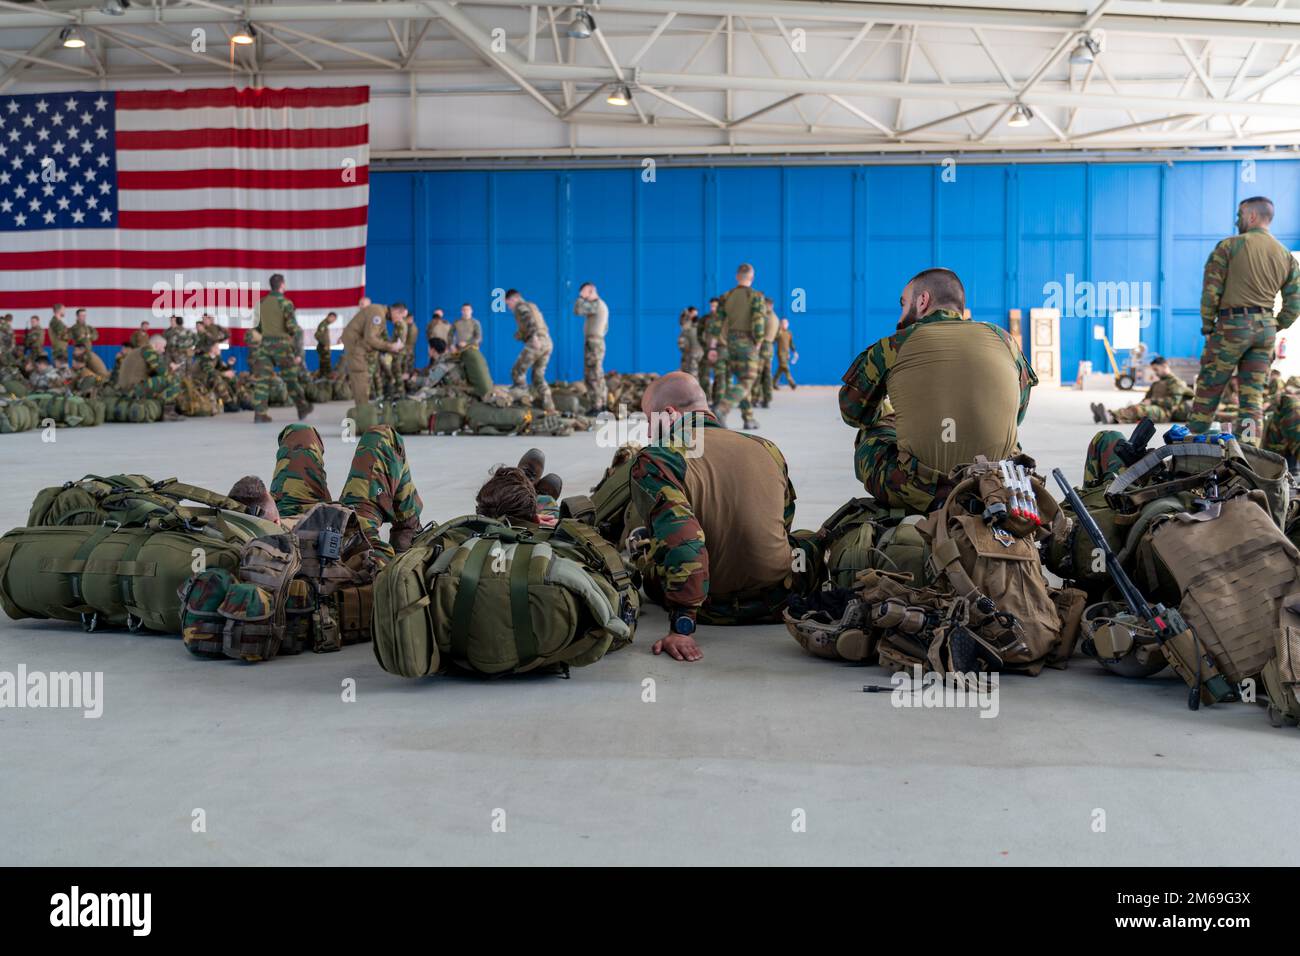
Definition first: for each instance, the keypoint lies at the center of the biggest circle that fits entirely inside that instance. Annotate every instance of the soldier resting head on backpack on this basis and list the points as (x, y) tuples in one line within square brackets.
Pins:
[(250, 491), (522, 493)]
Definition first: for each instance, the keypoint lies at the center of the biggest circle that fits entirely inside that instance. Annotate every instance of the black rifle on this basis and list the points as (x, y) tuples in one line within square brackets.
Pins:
[(1175, 637)]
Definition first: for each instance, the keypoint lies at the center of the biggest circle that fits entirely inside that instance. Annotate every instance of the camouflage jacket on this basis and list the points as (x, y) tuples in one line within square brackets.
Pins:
[(179, 341), (323, 334), (207, 334), (83, 334), (529, 322), (677, 545), (58, 331), (47, 381), (866, 383), (1168, 391), (1216, 280), (712, 330)]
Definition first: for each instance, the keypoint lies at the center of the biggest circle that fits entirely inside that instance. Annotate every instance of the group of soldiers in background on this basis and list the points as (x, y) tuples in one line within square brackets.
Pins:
[(730, 350)]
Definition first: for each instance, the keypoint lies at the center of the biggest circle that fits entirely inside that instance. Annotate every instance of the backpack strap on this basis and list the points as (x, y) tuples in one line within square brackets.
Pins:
[(598, 550), (463, 608), (579, 508), (521, 619)]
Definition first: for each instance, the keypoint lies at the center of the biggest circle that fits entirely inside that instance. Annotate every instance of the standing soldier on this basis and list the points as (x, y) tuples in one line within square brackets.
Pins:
[(707, 333), (784, 351), (208, 332), (410, 336), (33, 340), (1243, 277), (1163, 402), (390, 364), (277, 352), (140, 337), (83, 333), (7, 352), (58, 335), (765, 354), (688, 343), (180, 342), (439, 328), (363, 337), (744, 322), (531, 329), (595, 326), (323, 363), (466, 332)]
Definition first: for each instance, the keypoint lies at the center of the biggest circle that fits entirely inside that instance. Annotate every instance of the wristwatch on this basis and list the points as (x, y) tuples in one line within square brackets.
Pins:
[(681, 623)]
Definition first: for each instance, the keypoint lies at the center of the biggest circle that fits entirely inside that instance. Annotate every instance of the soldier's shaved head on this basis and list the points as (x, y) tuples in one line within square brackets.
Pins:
[(744, 274), (946, 290), (674, 392), (1260, 206)]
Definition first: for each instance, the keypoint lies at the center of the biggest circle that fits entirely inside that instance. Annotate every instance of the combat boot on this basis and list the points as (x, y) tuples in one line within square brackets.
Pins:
[(305, 409), (751, 423), (1099, 415), (260, 418), (533, 464), (551, 485), (170, 414)]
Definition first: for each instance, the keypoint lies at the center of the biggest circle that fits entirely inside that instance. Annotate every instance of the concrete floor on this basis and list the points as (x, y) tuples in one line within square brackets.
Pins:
[(714, 771)]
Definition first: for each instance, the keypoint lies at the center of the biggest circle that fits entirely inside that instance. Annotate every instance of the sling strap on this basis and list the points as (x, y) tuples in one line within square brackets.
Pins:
[(463, 608), (520, 616)]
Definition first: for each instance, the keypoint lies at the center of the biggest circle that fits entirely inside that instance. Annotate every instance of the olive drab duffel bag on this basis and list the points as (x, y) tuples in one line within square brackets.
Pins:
[(862, 536), (489, 418), (305, 588), (17, 415), (124, 571), (447, 412), (490, 598), (475, 368), (93, 499), (71, 411)]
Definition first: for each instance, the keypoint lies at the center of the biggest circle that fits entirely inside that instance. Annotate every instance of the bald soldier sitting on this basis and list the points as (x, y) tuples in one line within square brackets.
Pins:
[(717, 507), (957, 389)]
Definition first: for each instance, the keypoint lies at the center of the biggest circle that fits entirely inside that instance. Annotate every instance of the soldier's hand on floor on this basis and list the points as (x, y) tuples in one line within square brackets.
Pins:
[(680, 647)]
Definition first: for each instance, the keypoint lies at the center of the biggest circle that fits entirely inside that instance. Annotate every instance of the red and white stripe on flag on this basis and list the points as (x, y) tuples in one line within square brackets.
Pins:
[(216, 189)]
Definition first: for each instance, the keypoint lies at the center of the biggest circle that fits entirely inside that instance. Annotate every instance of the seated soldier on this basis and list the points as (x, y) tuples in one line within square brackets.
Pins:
[(378, 487), (957, 389), (1282, 431), (143, 374), (717, 507), (1167, 400), (44, 378)]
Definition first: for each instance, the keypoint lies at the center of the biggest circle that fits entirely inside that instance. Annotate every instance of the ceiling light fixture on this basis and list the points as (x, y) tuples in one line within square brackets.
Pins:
[(619, 96), (71, 38), (1086, 52), (1020, 116), (114, 8), (582, 26), (244, 35)]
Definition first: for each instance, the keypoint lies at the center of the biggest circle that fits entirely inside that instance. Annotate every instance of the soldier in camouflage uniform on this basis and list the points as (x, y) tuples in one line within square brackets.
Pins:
[(58, 335), (595, 315), (280, 350), (33, 340), (717, 507), (1282, 433), (8, 354), (688, 343), (531, 329), (765, 355), (180, 342), (1164, 401), (208, 332), (466, 331), (145, 374), (140, 337), (706, 333), (410, 338), (45, 378), (1243, 277), (212, 375), (743, 315), (932, 396), (1101, 463), (378, 488), (390, 363), (785, 351), (82, 333), (324, 364)]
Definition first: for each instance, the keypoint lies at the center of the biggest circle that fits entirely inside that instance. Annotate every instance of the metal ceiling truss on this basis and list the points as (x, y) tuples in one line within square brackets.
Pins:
[(731, 77)]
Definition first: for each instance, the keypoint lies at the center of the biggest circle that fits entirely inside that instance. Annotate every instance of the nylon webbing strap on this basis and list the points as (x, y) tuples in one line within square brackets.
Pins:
[(463, 609), (79, 559), (128, 561), (603, 551), (1128, 477), (521, 620)]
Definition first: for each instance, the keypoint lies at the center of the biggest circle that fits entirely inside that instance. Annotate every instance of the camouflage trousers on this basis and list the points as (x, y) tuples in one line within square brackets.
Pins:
[(783, 368), (1100, 464), (690, 362), (1131, 414), (58, 350), (535, 359), (324, 363), (763, 606), (765, 373), (272, 355), (378, 488), (893, 476), (742, 365), (593, 370), (718, 383), (1282, 435), (390, 376), (1240, 345), (163, 388)]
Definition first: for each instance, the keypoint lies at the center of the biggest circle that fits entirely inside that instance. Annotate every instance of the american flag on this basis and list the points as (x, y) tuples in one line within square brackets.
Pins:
[(107, 199)]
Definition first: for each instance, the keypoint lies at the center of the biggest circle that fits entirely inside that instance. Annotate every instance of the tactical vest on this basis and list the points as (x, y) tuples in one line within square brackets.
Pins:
[(955, 387), (738, 304), (272, 317), (133, 369)]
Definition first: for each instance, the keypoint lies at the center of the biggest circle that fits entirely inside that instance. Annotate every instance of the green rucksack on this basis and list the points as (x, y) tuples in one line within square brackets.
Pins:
[(484, 418), (408, 416), (447, 412), (126, 571), (365, 416), (862, 536), (94, 499), (475, 368), (484, 596), (17, 415)]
